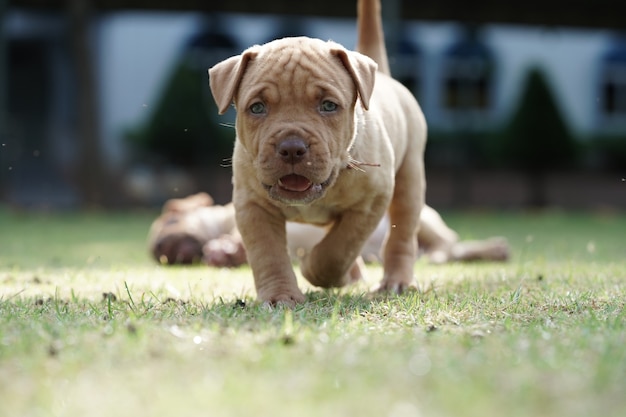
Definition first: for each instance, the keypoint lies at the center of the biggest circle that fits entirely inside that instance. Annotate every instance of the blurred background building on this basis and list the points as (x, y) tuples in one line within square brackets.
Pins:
[(106, 104)]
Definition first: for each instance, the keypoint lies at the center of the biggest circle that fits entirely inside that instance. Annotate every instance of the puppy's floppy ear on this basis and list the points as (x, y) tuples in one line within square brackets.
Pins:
[(225, 76), (362, 69)]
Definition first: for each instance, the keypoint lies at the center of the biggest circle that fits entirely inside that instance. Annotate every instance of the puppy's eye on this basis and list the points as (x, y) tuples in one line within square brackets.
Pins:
[(328, 106), (257, 108)]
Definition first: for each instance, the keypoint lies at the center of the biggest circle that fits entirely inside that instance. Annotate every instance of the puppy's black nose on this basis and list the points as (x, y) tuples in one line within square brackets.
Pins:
[(292, 150)]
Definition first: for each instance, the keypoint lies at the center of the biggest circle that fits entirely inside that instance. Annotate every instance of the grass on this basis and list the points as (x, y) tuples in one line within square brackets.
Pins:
[(89, 325)]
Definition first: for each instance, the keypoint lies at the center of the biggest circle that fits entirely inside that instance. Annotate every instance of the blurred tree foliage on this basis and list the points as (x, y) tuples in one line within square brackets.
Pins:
[(181, 129), (607, 152), (536, 140)]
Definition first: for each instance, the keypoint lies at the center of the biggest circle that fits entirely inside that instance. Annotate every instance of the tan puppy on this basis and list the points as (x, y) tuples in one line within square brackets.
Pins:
[(436, 241), (311, 115), (179, 234), (192, 229)]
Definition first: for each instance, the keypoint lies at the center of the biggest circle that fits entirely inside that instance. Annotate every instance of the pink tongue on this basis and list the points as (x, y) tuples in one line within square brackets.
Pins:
[(293, 182)]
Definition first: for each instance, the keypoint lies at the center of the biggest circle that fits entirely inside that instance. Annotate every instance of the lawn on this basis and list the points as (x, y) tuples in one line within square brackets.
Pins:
[(89, 325)]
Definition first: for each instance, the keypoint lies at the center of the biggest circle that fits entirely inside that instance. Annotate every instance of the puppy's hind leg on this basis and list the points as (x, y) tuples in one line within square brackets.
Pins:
[(400, 250)]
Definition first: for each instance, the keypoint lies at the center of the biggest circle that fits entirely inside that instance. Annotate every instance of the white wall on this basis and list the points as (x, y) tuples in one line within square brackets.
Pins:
[(137, 51)]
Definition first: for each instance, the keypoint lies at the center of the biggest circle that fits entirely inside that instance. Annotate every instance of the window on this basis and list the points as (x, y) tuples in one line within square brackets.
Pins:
[(467, 76), (406, 65), (613, 86)]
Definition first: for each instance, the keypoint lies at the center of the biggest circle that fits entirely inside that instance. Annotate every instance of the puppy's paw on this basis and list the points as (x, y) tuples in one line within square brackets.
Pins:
[(283, 299), (497, 249), (396, 285), (493, 249)]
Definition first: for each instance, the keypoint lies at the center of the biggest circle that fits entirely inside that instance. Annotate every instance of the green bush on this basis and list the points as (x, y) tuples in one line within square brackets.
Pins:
[(607, 152), (182, 129), (537, 138)]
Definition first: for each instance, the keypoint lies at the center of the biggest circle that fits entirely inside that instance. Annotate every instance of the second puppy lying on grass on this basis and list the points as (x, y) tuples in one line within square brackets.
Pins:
[(193, 229)]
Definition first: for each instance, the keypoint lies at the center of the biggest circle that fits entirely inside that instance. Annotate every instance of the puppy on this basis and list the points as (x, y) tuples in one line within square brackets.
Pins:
[(193, 229), (323, 138), (180, 233), (435, 240)]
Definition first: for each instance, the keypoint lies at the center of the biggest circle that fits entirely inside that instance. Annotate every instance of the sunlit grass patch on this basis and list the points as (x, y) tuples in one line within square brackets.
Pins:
[(90, 325)]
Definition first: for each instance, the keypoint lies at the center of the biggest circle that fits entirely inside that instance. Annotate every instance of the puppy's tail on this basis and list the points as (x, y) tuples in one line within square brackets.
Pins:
[(371, 38)]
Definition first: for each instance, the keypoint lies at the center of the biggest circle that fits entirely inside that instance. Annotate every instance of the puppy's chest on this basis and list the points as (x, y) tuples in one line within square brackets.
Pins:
[(320, 216)]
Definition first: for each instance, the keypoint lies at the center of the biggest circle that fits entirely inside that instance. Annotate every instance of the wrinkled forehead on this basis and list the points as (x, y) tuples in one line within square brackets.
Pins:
[(296, 63)]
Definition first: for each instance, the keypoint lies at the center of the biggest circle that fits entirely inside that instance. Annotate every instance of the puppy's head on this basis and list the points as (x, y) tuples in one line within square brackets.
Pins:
[(295, 101), (172, 238), (172, 242), (177, 248)]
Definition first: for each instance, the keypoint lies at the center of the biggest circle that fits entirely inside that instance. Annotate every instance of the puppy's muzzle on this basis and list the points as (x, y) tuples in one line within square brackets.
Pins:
[(296, 187), (177, 248), (292, 150)]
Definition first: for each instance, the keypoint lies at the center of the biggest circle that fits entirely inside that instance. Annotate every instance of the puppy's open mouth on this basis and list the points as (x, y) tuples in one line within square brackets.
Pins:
[(295, 183), (294, 189)]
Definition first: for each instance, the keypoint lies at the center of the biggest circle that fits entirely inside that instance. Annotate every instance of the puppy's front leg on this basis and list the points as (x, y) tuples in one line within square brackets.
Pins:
[(264, 238), (330, 261)]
